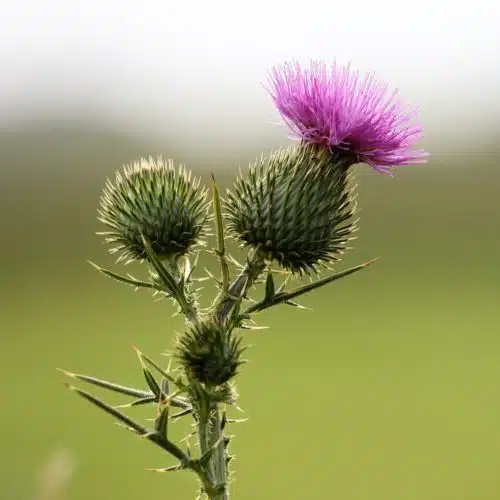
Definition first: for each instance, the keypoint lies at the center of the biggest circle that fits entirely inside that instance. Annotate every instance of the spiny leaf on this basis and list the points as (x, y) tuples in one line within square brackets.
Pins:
[(150, 380), (325, 281), (128, 281), (129, 391), (285, 297), (144, 397), (221, 249), (154, 437), (161, 371), (161, 421), (109, 409)]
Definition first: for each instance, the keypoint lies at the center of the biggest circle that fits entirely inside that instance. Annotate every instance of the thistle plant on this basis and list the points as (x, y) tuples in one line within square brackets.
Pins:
[(292, 211)]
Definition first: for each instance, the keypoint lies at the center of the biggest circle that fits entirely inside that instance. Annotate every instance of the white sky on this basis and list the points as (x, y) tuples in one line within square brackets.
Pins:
[(194, 68)]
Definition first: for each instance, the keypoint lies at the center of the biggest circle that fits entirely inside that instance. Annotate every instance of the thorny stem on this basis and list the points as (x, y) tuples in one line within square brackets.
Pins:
[(219, 460), (210, 426), (210, 432), (210, 429)]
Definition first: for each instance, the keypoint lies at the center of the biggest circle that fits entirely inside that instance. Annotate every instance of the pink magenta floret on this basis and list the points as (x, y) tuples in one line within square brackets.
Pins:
[(336, 107)]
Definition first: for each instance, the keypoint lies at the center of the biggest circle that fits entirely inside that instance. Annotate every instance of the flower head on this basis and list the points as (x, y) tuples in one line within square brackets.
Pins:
[(335, 107), (153, 199), (209, 353), (296, 207)]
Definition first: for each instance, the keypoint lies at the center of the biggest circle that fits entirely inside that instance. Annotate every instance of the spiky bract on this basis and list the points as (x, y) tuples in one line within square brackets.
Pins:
[(295, 206), (209, 353), (152, 198)]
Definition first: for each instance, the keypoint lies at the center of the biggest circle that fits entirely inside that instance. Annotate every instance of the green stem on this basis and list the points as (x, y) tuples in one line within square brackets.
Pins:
[(210, 432), (219, 456)]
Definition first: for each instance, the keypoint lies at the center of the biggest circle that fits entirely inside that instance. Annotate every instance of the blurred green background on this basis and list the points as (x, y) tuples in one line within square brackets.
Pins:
[(388, 390)]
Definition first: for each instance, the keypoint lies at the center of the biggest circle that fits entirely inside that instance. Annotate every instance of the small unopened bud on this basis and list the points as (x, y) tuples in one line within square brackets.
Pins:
[(210, 354), (295, 206), (152, 198)]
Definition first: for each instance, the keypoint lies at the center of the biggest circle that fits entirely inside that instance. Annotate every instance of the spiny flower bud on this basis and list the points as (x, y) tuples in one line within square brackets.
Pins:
[(295, 207), (209, 353), (152, 198)]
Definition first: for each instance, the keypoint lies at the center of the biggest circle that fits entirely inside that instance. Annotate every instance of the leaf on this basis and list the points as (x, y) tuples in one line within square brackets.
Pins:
[(161, 421), (151, 381), (129, 391), (164, 388), (139, 429), (177, 382), (283, 297), (128, 281), (325, 281), (221, 249), (154, 437)]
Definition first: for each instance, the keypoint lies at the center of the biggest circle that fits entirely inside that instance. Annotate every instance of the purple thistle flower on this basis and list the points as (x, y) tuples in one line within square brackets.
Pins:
[(336, 108)]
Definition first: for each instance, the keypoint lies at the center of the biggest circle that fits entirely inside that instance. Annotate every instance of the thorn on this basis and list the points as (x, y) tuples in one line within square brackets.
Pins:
[(126, 405), (128, 428), (172, 468), (236, 420), (139, 355), (147, 435)]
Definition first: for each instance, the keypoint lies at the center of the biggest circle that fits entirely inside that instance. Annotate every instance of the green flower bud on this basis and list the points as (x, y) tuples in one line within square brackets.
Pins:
[(209, 354), (154, 199), (295, 206)]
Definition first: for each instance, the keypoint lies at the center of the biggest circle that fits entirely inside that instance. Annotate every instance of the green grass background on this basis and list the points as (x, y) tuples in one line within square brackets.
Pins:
[(388, 390)]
